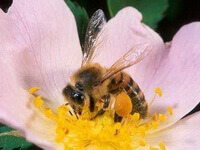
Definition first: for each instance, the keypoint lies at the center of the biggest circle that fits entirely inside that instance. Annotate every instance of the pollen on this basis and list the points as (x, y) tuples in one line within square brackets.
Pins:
[(162, 117), (142, 143), (33, 90), (123, 104), (170, 110), (38, 101), (158, 91), (162, 146)]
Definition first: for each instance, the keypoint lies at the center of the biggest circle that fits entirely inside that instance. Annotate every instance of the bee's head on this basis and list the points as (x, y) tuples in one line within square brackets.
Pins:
[(75, 97)]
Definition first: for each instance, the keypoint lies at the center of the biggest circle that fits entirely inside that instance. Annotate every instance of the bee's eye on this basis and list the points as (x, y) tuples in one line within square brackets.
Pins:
[(79, 86), (78, 97)]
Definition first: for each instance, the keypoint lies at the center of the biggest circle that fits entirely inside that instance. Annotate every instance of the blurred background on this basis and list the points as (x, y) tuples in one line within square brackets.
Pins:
[(164, 16)]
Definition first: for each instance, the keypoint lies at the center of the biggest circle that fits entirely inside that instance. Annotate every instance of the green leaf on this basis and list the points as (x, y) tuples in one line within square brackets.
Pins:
[(152, 10), (81, 17), (175, 6), (9, 142)]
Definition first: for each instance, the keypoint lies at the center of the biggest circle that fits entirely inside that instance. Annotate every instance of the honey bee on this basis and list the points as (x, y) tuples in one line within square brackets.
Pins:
[(112, 87)]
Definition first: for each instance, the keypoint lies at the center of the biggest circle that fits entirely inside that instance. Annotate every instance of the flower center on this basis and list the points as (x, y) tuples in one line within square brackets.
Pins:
[(131, 133)]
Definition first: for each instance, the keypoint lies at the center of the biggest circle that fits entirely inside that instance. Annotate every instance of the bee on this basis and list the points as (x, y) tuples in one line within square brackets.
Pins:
[(112, 88)]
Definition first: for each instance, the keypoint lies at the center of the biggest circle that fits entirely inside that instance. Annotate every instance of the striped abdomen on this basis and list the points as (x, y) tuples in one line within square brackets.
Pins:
[(123, 82)]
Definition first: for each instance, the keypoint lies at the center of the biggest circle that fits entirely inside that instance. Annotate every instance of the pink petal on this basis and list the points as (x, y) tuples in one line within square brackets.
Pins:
[(17, 111), (124, 32), (176, 71), (40, 41), (184, 135)]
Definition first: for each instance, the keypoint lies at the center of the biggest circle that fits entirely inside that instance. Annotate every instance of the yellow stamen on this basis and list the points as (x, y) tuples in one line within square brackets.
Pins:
[(162, 117), (60, 137), (62, 110), (135, 116), (102, 132), (117, 126), (142, 131), (38, 101), (170, 110), (33, 90), (155, 117), (158, 91), (162, 146), (155, 124), (48, 112), (153, 148), (142, 143)]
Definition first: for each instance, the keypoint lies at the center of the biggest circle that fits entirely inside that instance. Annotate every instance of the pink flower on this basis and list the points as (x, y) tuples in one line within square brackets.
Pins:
[(39, 46)]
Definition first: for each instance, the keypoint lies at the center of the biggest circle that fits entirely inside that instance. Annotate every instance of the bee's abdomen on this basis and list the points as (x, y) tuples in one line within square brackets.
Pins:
[(123, 82)]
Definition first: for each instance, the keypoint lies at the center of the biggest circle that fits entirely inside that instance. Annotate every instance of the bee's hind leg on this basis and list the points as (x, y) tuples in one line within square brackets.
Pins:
[(105, 106), (99, 113), (117, 118)]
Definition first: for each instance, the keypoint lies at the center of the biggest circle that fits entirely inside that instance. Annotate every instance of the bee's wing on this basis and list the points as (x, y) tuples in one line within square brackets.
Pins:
[(95, 25), (133, 56)]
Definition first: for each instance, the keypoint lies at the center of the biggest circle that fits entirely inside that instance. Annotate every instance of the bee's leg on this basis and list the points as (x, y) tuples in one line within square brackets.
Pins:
[(99, 113), (91, 105), (76, 115), (106, 102), (117, 118), (75, 112), (105, 106)]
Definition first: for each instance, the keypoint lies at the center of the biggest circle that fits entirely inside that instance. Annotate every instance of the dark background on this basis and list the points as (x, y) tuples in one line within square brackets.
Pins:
[(179, 12)]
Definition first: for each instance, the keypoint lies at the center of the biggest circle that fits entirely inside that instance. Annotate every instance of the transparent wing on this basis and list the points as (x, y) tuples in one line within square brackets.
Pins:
[(133, 56), (95, 25)]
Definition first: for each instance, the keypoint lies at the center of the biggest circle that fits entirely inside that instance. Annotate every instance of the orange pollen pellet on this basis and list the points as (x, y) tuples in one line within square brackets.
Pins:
[(123, 104)]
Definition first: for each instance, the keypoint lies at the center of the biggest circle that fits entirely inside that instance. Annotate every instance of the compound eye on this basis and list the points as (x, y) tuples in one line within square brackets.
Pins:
[(78, 97), (79, 86)]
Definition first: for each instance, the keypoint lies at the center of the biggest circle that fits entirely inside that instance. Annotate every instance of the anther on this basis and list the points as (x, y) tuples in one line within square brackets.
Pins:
[(142, 143), (158, 91), (153, 148), (170, 110), (155, 124), (33, 90), (38, 101), (48, 112), (155, 117), (135, 116), (162, 117), (142, 131), (162, 146)]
